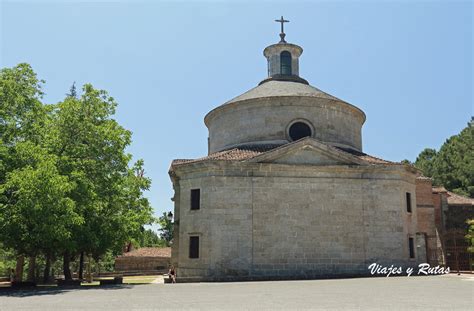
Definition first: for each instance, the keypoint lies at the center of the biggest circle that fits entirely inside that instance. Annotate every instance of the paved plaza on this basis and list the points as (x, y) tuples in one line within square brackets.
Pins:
[(449, 292)]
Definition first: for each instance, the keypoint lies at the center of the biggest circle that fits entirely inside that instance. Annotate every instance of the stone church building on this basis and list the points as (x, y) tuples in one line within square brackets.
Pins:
[(286, 190)]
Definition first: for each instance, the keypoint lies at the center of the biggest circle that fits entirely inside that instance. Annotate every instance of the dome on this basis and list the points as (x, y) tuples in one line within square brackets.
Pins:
[(275, 88), (284, 108)]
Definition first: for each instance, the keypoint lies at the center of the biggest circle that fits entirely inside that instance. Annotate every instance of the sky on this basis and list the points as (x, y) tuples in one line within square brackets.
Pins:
[(407, 64)]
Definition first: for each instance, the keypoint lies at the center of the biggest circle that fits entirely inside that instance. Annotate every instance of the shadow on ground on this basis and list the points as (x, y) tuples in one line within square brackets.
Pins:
[(43, 291)]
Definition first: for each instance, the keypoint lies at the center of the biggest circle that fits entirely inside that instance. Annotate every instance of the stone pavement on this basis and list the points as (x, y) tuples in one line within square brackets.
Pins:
[(450, 292)]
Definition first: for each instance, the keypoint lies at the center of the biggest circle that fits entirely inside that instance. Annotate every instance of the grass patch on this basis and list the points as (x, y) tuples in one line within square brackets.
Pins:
[(95, 283), (141, 279)]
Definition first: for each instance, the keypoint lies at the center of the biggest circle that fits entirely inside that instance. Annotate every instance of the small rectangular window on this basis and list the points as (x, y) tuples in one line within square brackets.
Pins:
[(411, 247), (195, 199), (408, 202), (194, 247)]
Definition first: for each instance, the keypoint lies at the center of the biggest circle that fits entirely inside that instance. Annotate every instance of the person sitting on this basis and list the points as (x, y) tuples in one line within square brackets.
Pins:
[(172, 274)]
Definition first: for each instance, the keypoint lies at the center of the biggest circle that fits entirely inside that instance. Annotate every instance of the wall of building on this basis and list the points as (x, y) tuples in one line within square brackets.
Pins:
[(268, 220), (267, 120), (440, 204), (425, 210), (129, 263)]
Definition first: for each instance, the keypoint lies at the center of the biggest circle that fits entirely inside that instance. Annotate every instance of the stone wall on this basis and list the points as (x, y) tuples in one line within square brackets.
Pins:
[(274, 220), (425, 210), (440, 204), (141, 263), (267, 120)]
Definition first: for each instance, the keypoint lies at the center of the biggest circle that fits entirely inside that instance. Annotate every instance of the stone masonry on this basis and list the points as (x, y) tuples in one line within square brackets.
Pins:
[(287, 192)]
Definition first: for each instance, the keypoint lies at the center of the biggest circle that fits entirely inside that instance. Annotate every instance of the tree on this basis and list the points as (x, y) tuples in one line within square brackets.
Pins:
[(72, 91), (90, 146), (41, 215), (21, 111), (7, 260), (453, 165), (470, 235), (66, 183), (151, 239), (22, 117), (166, 230), (425, 161)]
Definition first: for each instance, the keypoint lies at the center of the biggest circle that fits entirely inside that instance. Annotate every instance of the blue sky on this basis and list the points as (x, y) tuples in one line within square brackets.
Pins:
[(407, 64)]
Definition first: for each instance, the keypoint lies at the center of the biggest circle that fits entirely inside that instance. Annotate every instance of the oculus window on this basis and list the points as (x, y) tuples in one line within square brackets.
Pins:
[(299, 130)]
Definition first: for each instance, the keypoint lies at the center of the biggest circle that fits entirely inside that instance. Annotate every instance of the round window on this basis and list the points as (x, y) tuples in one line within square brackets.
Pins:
[(299, 130)]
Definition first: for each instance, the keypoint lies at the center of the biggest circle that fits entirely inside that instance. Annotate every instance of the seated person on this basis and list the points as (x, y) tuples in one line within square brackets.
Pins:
[(172, 274)]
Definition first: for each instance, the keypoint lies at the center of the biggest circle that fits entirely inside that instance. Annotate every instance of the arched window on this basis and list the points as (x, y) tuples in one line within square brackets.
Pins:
[(285, 63), (299, 130)]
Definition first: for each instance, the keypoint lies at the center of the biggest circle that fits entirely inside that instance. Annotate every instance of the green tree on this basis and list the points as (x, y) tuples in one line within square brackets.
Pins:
[(66, 183), (166, 230), (453, 165), (72, 91), (40, 216), (22, 118), (7, 260), (90, 146), (21, 110), (425, 161), (151, 239), (470, 235)]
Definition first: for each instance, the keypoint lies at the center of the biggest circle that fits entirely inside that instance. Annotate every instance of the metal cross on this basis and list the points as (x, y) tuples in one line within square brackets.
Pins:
[(282, 21)]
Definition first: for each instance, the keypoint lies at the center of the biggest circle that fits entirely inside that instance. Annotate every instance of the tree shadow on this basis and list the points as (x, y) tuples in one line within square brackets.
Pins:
[(44, 291)]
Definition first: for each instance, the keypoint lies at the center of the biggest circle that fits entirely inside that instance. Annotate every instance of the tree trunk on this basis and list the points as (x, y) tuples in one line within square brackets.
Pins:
[(31, 269), (20, 261), (66, 266), (47, 269), (89, 274), (81, 266)]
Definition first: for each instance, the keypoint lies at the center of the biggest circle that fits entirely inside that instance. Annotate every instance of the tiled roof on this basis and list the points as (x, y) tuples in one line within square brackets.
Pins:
[(282, 88), (246, 152), (456, 199), (424, 178), (439, 189), (235, 154), (150, 252), (366, 157)]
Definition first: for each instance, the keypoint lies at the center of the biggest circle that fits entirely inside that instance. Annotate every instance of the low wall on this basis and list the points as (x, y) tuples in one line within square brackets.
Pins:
[(129, 263)]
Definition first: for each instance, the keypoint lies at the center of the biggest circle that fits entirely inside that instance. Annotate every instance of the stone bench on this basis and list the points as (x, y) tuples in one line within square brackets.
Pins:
[(115, 281), (167, 280)]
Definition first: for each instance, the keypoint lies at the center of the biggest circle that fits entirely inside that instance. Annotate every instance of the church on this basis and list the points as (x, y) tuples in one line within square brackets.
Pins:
[(286, 191)]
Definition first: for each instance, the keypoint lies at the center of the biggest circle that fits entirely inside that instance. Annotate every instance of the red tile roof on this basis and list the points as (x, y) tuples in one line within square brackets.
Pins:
[(424, 178), (439, 189), (234, 154), (371, 159), (456, 199), (149, 252), (246, 152)]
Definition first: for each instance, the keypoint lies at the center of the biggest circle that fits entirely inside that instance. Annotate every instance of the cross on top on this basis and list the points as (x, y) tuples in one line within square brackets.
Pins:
[(282, 33)]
